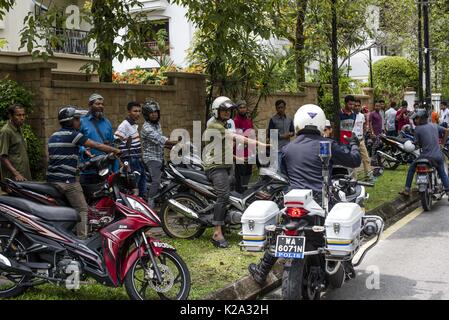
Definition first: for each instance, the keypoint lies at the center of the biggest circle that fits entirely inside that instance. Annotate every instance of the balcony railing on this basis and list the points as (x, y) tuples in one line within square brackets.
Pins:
[(74, 41)]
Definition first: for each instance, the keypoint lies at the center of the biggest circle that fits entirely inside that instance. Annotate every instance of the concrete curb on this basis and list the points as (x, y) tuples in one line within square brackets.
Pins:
[(247, 289)]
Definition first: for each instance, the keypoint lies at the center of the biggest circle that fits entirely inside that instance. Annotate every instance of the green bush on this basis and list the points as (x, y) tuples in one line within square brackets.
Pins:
[(392, 75), (11, 92)]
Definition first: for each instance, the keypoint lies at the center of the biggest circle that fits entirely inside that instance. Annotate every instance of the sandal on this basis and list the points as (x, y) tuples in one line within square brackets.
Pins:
[(220, 243)]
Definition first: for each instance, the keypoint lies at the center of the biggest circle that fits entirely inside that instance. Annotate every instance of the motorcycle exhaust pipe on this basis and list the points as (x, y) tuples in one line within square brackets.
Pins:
[(14, 267), (387, 156), (182, 209)]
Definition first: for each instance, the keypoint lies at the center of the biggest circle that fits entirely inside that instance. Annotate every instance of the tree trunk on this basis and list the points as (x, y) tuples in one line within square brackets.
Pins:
[(105, 41), (335, 72), (300, 41)]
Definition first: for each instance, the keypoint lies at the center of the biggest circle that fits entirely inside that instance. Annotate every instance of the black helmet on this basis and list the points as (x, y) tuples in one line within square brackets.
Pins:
[(149, 107), (67, 114)]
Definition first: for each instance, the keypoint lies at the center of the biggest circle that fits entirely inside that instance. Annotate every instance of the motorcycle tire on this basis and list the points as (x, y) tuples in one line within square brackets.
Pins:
[(171, 229), (295, 279), (19, 243), (183, 278), (426, 200), (336, 280)]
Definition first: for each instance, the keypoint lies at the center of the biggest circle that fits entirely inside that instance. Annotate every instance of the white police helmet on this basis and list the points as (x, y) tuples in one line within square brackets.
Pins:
[(310, 115), (221, 103)]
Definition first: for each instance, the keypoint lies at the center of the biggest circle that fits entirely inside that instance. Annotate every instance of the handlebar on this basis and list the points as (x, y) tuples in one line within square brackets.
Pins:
[(97, 161)]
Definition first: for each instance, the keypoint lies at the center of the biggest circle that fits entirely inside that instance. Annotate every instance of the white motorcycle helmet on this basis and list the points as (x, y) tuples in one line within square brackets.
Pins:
[(310, 115), (221, 102), (409, 146)]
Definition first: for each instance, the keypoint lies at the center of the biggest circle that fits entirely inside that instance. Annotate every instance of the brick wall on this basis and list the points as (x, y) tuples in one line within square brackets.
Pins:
[(182, 100), (293, 100)]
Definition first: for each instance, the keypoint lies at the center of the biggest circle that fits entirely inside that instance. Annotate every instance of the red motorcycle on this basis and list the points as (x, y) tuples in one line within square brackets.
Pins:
[(101, 206), (37, 245)]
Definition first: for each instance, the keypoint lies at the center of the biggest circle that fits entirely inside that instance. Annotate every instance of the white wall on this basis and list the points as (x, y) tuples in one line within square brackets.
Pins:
[(181, 33), (13, 23)]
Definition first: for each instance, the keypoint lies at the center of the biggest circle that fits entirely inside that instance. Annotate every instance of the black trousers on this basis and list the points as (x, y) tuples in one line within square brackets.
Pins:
[(220, 180), (243, 174)]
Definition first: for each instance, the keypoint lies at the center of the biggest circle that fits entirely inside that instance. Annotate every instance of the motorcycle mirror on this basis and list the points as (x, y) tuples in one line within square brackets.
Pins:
[(103, 172)]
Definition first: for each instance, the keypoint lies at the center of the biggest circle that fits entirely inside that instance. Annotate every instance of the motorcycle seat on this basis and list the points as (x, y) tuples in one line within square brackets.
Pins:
[(398, 139), (195, 175), (242, 195), (41, 188), (48, 213), (424, 162)]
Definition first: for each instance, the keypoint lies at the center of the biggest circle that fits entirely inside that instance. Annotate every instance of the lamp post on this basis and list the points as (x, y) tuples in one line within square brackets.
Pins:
[(335, 73), (428, 95), (420, 56)]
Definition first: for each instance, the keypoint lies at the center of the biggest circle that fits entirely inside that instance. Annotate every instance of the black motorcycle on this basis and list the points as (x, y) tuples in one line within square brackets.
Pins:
[(392, 152), (187, 214), (429, 183)]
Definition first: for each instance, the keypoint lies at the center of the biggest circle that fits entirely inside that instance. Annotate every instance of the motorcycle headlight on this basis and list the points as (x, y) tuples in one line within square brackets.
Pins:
[(136, 205)]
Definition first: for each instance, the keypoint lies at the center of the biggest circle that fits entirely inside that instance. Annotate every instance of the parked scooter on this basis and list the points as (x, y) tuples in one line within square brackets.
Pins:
[(100, 211), (395, 151), (37, 245), (319, 245), (187, 214)]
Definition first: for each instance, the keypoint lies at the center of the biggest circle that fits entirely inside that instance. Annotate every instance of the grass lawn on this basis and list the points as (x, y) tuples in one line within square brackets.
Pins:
[(211, 268), (386, 187)]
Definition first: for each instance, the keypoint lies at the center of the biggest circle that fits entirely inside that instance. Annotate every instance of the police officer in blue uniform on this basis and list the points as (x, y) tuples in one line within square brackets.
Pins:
[(301, 163)]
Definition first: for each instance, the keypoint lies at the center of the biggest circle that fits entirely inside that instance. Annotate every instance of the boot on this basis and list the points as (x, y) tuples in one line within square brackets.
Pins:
[(260, 271)]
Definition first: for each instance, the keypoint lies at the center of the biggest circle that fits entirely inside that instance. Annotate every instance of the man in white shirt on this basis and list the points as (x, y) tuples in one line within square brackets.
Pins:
[(390, 120), (444, 115), (359, 130)]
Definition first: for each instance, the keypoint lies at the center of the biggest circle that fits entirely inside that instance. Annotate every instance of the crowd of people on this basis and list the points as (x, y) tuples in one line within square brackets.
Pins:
[(84, 135)]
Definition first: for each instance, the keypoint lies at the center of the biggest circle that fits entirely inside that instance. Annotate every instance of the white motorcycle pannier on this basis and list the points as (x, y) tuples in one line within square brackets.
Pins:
[(258, 215), (343, 226)]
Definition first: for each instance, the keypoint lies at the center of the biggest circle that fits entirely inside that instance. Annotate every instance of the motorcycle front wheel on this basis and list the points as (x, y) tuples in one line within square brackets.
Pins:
[(178, 226), (11, 284), (141, 281)]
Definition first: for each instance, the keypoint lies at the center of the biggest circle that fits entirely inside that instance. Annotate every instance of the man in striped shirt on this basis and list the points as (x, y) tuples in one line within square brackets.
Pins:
[(63, 154), (131, 147)]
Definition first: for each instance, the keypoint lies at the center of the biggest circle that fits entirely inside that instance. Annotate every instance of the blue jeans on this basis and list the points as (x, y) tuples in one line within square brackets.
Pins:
[(439, 165), (136, 164)]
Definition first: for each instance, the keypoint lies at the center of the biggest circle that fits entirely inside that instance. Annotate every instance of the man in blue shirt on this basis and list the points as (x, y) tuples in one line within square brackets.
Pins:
[(63, 154), (427, 136), (96, 127)]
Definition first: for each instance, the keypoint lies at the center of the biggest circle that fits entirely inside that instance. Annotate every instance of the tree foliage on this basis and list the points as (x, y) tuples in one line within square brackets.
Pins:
[(229, 43), (392, 75), (110, 19)]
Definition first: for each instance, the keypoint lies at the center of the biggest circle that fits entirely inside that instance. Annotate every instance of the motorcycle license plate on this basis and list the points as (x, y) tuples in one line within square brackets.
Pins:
[(290, 247), (421, 179)]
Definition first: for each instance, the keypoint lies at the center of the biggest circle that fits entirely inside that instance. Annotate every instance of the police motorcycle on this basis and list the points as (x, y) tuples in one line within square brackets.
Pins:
[(318, 245)]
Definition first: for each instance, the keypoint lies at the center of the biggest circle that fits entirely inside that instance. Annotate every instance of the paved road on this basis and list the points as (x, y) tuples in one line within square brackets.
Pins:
[(413, 262)]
